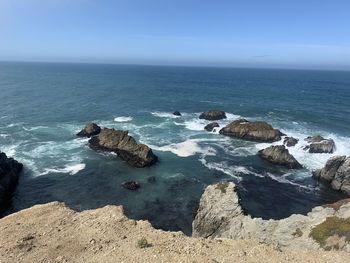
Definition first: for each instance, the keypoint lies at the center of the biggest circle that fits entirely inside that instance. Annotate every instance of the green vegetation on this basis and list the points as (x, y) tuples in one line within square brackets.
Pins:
[(333, 227), (143, 243), (298, 233), (222, 187)]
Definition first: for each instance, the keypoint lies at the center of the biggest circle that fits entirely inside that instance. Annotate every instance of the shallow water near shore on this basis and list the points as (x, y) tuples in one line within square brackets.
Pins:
[(44, 105)]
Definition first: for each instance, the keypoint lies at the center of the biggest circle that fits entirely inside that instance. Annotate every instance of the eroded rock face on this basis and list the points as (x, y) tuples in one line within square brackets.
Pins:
[(318, 144), (220, 215), (213, 115), (253, 131), (9, 172), (290, 141), (337, 172), (125, 146), (210, 127), (90, 129), (279, 155)]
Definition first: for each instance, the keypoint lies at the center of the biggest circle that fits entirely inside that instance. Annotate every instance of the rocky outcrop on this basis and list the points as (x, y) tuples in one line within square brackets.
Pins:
[(9, 173), (278, 154), (318, 144), (337, 172), (125, 146), (210, 127), (220, 215), (90, 129), (290, 141), (177, 113), (213, 115), (254, 131), (131, 185)]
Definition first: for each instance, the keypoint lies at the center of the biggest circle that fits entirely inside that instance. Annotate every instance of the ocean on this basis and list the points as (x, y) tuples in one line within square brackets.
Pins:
[(43, 106)]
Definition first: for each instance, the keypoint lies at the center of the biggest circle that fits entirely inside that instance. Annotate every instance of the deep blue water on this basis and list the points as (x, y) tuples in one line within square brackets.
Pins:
[(44, 105)]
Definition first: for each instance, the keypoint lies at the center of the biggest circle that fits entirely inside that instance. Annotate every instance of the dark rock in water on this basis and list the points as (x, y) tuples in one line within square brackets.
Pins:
[(337, 172), (177, 113), (290, 141), (125, 146), (210, 127), (279, 155), (131, 185), (9, 172), (90, 129), (253, 131), (213, 115), (318, 144), (151, 179)]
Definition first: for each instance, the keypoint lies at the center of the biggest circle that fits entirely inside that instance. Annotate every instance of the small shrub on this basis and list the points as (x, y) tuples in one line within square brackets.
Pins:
[(298, 233), (222, 187), (143, 243)]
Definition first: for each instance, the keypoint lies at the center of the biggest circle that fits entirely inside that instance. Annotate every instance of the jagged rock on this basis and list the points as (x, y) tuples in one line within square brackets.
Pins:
[(290, 141), (125, 146), (131, 185), (279, 155), (177, 113), (254, 131), (318, 144), (210, 127), (220, 215), (9, 173), (337, 172), (213, 115), (90, 129)]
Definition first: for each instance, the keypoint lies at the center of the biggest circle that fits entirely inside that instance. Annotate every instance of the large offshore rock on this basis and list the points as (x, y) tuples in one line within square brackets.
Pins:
[(213, 115), (125, 146), (254, 131), (318, 144), (279, 155), (211, 126), (90, 129), (337, 172), (220, 215)]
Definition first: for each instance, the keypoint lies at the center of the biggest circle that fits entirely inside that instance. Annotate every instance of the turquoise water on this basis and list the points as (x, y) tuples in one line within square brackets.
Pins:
[(44, 105)]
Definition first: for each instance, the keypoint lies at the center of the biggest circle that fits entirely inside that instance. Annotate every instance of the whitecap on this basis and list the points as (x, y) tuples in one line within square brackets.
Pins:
[(123, 119), (162, 114), (71, 169), (187, 148)]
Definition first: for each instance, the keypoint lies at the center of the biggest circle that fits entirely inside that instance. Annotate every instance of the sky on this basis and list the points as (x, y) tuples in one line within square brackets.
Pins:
[(234, 33)]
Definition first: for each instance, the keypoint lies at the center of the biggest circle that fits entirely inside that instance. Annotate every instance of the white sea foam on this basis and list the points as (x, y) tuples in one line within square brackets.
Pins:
[(283, 179), (162, 114), (123, 119), (71, 169), (187, 148)]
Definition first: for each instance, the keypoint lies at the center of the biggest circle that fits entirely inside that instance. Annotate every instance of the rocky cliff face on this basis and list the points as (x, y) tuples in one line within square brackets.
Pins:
[(9, 172), (125, 146), (337, 172), (220, 215)]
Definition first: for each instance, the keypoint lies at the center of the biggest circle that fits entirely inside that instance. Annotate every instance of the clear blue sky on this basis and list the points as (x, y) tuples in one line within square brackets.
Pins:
[(260, 33)]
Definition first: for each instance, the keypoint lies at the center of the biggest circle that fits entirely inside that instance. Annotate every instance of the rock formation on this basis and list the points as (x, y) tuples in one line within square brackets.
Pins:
[(90, 129), (318, 144), (290, 141), (220, 215), (210, 127), (213, 115), (337, 172), (177, 113), (9, 172), (125, 146), (279, 155), (131, 185), (254, 131)]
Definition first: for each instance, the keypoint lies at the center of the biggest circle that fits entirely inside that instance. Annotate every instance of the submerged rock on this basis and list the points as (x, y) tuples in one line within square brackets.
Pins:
[(290, 141), (254, 131), (177, 113), (210, 127), (337, 172), (220, 215), (131, 185), (9, 173), (90, 129), (318, 144), (279, 155), (125, 146), (213, 115)]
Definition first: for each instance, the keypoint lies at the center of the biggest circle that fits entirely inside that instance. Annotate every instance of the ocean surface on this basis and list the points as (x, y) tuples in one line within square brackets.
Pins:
[(43, 106)]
